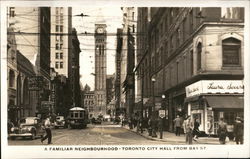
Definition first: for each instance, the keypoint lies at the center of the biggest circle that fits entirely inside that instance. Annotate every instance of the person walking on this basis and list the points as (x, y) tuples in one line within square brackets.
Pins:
[(196, 131), (48, 135), (188, 130), (238, 130), (222, 131), (177, 124)]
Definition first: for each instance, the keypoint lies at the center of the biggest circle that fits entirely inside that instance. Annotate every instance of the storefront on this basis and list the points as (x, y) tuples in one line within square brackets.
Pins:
[(210, 100)]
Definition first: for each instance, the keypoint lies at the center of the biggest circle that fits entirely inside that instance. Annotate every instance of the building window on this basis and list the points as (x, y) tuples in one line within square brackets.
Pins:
[(61, 46), (57, 64), (61, 28), (57, 28), (166, 23), (11, 78), (171, 44), (199, 50), (178, 37), (57, 10), (61, 64), (57, 55), (230, 13), (57, 46), (61, 38), (61, 55), (57, 19), (191, 62), (57, 37), (12, 12), (166, 52), (231, 52), (191, 22)]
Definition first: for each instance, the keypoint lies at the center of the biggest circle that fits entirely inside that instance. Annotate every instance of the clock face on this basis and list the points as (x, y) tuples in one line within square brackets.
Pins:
[(100, 30)]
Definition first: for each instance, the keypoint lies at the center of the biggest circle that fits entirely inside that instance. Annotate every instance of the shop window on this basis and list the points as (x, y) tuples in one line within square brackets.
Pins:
[(199, 50), (229, 117), (230, 13), (231, 52), (76, 115)]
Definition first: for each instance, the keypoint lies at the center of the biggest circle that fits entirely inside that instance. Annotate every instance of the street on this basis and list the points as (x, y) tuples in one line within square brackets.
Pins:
[(104, 134)]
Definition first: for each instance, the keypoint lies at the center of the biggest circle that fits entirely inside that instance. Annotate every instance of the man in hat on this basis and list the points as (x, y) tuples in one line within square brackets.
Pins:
[(48, 136), (188, 130), (222, 131), (238, 130)]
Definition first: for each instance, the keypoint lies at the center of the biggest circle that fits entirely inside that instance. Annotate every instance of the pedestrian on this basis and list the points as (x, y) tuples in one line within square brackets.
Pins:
[(238, 130), (188, 130), (196, 131), (47, 125), (222, 131), (177, 124)]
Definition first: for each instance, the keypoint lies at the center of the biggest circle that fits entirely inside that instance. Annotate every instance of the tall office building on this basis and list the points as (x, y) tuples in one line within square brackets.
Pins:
[(61, 28)]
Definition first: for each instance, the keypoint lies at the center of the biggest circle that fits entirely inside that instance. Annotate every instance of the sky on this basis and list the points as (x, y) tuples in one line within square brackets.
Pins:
[(113, 18)]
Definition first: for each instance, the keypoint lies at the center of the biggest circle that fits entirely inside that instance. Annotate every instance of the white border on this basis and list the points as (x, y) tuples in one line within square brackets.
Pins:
[(38, 151)]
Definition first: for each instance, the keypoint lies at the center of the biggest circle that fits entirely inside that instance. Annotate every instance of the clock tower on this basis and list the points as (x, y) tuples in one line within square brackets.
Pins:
[(100, 69)]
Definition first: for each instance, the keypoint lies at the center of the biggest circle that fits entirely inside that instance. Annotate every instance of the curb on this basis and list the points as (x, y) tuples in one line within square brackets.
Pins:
[(169, 140), (153, 139)]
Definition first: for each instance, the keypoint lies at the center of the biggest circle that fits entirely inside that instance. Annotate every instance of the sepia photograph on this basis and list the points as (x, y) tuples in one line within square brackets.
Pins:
[(145, 80)]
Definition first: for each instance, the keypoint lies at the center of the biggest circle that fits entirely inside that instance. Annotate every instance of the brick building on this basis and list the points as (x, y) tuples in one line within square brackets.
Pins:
[(193, 46)]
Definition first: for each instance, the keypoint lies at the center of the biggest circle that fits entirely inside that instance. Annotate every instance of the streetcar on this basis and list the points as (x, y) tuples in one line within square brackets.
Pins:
[(78, 117)]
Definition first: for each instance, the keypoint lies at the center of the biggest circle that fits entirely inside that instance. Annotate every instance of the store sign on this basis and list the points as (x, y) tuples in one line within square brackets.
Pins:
[(162, 113), (215, 87)]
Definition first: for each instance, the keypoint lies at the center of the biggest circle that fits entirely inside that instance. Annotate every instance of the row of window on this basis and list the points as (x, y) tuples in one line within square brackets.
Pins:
[(59, 65), (59, 28), (59, 46), (89, 102), (59, 37), (89, 96), (59, 55)]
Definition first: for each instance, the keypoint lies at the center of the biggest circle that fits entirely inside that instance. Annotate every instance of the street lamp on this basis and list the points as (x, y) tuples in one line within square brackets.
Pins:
[(161, 121), (153, 111)]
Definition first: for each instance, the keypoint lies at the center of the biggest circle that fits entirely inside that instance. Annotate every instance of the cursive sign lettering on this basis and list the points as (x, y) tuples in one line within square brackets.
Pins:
[(212, 86)]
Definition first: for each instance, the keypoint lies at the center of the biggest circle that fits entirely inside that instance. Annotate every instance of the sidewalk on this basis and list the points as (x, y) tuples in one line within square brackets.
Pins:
[(170, 138)]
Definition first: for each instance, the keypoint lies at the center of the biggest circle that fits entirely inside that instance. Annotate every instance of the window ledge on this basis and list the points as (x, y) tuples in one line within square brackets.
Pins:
[(232, 68)]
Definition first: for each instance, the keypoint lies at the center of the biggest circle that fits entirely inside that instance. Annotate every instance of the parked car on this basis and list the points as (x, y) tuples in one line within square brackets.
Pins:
[(96, 121), (60, 122), (28, 127)]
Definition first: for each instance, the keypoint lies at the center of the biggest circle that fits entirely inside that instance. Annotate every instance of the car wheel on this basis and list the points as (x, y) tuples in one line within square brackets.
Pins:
[(33, 137)]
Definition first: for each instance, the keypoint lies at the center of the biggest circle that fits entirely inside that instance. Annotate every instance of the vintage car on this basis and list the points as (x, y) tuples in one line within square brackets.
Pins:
[(28, 127), (60, 122)]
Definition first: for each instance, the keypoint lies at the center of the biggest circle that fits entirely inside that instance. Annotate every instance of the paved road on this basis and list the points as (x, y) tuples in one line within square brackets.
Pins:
[(92, 135)]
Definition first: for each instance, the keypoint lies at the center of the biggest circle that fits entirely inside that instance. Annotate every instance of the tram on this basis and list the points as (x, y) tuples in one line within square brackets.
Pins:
[(78, 117)]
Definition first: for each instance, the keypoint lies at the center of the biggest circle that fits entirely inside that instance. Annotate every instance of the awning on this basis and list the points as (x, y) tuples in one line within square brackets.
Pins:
[(225, 101)]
